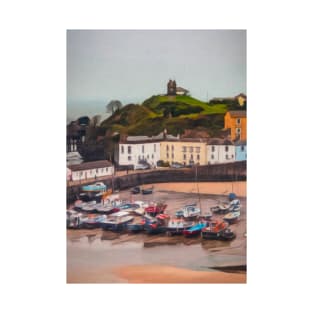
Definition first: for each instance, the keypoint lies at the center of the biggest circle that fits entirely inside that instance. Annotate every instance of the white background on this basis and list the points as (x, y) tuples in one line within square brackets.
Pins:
[(33, 124)]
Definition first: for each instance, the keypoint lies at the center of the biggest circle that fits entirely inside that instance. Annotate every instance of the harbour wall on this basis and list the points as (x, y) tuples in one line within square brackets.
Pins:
[(205, 173)]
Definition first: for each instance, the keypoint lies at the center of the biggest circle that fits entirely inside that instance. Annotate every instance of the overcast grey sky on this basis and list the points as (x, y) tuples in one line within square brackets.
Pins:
[(132, 65)]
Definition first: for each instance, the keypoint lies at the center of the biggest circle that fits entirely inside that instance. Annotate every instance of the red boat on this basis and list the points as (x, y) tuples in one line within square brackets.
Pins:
[(155, 209)]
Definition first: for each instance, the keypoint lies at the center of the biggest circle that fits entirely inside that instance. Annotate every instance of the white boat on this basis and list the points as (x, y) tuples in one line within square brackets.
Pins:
[(188, 211), (117, 221), (231, 217)]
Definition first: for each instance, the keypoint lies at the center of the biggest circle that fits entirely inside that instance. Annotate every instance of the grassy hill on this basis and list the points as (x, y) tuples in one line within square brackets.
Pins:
[(175, 113)]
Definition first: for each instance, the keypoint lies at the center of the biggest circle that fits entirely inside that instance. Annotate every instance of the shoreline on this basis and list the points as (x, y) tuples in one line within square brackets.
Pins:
[(164, 274)]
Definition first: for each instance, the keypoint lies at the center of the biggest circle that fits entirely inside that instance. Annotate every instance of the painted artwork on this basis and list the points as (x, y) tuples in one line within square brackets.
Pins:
[(156, 156)]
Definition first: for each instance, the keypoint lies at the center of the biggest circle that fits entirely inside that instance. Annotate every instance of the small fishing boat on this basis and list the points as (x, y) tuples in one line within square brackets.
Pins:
[(85, 207), (156, 225), (105, 209), (147, 191), (117, 221), (214, 229), (176, 226), (136, 227), (227, 234), (74, 219), (232, 217), (93, 221), (234, 205), (95, 187), (220, 209), (135, 190), (188, 211), (155, 208), (195, 229), (129, 207)]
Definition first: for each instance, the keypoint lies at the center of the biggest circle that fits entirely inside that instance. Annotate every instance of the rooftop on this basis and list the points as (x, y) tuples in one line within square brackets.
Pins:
[(90, 165), (237, 113)]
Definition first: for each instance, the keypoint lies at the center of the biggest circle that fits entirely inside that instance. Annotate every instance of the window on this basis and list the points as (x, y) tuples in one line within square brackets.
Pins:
[(167, 148), (212, 156), (172, 155), (184, 149), (154, 147), (167, 155), (90, 172), (184, 156), (238, 121), (198, 157), (213, 148), (96, 170), (191, 156), (226, 148), (242, 148), (191, 149), (129, 148), (148, 156), (198, 149), (152, 156), (122, 149), (138, 157), (226, 156), (238, 130), (143, 149), (129, 158), (106, 169), (172, 147)]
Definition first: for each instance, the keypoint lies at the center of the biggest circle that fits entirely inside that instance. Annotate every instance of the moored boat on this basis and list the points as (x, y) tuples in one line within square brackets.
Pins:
[(147, 191), (214, 229), (232, 217), (93, 221), (227, 234), (188, 211), (155, 208), (176, 226), (95, 187), (195, 229), (135, 190), (117, 221)]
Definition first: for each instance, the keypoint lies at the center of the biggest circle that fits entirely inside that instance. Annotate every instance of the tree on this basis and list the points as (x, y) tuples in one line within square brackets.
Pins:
[(113, 106), (95, 121)]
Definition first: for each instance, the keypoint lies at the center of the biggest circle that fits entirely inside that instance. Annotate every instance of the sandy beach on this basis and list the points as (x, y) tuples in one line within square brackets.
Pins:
[(96, 256), (168, 274)]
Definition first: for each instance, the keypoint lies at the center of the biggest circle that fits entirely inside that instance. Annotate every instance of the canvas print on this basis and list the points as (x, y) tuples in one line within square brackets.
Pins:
[(156, 156)]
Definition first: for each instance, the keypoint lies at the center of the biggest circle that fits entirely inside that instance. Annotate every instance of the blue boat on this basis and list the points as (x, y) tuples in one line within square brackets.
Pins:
[(156, 225), (95, 187), (93, 221), (195, 230), (117, 221)]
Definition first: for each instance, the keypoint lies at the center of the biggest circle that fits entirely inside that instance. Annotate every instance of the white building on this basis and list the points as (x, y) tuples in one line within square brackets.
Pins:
[(141, 148), (87, 170), (220, 151)]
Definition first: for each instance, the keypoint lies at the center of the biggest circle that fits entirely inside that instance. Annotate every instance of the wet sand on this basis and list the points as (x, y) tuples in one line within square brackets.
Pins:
[(168, 274), (96, 256)]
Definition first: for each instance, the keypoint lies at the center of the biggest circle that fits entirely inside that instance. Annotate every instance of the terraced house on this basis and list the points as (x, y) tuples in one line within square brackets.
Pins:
[(141, 148), (186, 151), (236, 121), (220, 151)]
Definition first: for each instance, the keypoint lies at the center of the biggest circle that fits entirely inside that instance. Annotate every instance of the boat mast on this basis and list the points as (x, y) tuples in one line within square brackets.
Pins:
[(198, 188)]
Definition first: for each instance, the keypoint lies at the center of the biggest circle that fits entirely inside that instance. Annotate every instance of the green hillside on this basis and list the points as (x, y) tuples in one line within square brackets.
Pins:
[(175, 113)]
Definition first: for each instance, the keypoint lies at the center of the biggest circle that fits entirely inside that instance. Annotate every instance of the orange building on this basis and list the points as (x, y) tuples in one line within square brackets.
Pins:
[(236, 121)]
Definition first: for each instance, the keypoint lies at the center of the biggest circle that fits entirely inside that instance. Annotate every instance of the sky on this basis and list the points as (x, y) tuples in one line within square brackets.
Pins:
[(133, 65)]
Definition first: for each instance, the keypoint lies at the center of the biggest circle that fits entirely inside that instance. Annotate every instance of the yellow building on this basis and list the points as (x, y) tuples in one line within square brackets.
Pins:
[(185, 151), (236, 121)]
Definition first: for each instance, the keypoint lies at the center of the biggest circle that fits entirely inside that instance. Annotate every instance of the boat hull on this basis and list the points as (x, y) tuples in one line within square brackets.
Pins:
[(116, 226)]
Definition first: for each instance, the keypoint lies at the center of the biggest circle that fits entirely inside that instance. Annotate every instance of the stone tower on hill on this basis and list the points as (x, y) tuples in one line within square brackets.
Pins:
[(171, 88)]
